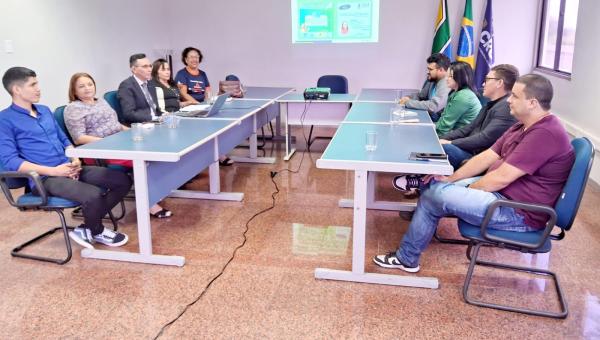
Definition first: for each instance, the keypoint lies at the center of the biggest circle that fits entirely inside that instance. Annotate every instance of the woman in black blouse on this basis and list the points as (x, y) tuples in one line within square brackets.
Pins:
[(167, 93)]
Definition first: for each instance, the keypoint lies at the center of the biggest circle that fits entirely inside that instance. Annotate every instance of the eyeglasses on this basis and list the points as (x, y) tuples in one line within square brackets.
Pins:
[(490, 78), (144, 66)]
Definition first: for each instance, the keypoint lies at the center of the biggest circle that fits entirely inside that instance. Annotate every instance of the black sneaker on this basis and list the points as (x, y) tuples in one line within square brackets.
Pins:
[(407, 182), (406, 215), (111, 238), (83, 236), (390, 260)]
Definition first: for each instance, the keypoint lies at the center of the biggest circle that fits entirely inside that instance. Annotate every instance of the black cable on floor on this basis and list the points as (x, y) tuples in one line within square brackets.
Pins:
[(273, 201), (209, 284), (302, 118)]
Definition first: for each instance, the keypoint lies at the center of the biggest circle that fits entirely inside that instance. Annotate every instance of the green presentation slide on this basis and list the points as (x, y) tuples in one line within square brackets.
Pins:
[(335, 21)]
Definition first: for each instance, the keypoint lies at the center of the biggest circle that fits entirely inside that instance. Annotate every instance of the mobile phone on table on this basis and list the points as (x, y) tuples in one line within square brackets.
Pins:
[(428, 155)]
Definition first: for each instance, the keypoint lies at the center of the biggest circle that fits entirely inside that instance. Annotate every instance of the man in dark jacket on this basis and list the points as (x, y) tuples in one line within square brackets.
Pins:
[(493, 119), (136, 96)]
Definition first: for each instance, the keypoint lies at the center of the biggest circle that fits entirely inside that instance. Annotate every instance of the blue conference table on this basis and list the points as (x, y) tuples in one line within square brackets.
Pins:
[(167, 158), (347, 151), (164, 160), (270, 93), (383, 95), (329, 112), (379, 112), (264, 92)]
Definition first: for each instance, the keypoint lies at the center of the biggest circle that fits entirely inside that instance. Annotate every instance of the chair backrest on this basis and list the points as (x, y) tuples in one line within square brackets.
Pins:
[(337, 83), (232, 77), (113, 100), (59, 115), (568, 202)]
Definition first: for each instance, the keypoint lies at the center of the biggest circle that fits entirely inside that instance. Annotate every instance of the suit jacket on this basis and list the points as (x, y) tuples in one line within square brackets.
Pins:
[(493, 120), (134, 106)]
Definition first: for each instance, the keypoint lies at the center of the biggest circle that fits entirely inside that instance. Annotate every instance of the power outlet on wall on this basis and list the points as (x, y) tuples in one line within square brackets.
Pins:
[(8, 46)]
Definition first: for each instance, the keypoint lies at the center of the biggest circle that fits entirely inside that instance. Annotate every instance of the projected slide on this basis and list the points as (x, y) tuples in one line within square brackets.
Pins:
[(335, 21)]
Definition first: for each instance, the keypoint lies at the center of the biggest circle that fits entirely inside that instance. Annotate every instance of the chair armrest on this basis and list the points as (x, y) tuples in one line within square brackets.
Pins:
[(518, 205), (33, 176)]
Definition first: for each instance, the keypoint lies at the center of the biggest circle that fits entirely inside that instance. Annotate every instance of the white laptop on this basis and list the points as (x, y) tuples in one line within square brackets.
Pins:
[(204, 110)]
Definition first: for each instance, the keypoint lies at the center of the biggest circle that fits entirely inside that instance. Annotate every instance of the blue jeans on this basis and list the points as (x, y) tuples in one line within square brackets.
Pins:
[(456, 155), (439, 199)]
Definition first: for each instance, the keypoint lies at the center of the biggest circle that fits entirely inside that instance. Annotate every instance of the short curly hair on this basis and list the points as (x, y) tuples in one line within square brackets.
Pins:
[(186, 51)]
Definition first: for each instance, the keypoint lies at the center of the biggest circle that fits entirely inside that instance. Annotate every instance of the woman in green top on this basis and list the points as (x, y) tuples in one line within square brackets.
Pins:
[(463, 105)]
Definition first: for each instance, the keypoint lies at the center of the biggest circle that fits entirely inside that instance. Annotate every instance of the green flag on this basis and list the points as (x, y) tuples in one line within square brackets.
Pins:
[(441, 39)]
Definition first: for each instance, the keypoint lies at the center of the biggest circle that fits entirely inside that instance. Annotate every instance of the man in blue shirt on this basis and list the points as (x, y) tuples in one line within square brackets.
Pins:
[(32, 141)]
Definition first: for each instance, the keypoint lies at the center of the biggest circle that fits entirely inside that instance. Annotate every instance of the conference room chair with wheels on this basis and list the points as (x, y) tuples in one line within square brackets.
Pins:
[(337, 84), (561, 216), (59, 115)]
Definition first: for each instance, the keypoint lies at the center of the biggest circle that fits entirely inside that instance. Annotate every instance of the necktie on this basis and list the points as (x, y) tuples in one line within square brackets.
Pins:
[(148, 98)]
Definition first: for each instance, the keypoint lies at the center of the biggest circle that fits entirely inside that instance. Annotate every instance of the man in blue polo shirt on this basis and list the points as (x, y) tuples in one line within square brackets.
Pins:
[(31, 140)]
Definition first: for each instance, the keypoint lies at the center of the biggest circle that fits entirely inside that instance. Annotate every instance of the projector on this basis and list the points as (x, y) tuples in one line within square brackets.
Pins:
[(317, 93)]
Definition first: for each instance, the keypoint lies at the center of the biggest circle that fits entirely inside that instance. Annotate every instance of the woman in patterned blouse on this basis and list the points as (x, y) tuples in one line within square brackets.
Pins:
[(89, 119)]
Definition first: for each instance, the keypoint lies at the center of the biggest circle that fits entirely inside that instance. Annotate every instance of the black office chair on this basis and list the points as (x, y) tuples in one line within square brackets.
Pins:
[(562, 216), (337, 84)]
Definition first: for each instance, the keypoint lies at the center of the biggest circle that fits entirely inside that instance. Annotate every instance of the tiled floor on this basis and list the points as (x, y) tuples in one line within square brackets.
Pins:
[(269, 290)]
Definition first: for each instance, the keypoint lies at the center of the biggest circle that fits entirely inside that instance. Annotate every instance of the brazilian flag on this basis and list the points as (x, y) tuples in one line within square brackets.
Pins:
[(441, 39), (465, 40)]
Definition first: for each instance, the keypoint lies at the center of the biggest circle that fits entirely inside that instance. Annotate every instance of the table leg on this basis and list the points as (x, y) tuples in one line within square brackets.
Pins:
[(214, 184), (143, 225), (289, 151), (253, 149), (373, 204), (358, 249)]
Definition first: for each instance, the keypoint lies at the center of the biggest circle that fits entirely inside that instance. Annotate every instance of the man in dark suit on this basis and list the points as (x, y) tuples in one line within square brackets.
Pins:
[(137, 97), (493, 119)]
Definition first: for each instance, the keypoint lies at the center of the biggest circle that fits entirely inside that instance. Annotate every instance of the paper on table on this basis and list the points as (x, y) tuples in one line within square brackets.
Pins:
[(197, 107), (413, 120)]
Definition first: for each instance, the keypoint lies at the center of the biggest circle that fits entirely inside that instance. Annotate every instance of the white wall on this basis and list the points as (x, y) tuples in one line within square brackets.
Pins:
[(249, 38), (576, 100), (254, 42), (57, 38)]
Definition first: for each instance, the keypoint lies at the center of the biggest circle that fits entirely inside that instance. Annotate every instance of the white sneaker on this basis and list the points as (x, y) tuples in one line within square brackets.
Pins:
[(111, 238), (83, 237)]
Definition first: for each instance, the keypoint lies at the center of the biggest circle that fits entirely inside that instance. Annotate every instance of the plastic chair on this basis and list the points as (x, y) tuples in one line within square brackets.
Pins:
[(337, 84), (29, 201), (113, 100), (561, 216)]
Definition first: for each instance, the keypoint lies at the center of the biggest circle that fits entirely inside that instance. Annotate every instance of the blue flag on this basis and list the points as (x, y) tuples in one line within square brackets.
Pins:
[(485, 55)]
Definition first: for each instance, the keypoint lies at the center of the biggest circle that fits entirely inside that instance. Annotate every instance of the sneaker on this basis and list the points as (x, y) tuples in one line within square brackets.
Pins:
[(83, 236), (391, 261), (111, 238), (407, 182), (406, 215)]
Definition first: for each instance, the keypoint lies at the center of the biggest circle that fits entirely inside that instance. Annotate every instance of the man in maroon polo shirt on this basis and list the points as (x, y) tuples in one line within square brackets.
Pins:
[(529, 163)]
